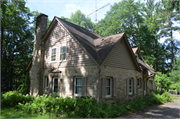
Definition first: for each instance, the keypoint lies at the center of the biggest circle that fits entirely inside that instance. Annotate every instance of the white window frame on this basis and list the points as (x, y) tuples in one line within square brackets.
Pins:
[(46, 82), (51, 54), (53, 85), (110, 87), (76, 85), (132, 86), (60, 53), (139, 81)]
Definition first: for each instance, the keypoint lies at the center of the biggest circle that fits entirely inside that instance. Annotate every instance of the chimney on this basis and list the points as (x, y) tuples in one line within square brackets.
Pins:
[(36, 69)]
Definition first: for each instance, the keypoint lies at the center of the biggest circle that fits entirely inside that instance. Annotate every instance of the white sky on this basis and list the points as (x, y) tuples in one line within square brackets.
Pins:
[(67, 7)]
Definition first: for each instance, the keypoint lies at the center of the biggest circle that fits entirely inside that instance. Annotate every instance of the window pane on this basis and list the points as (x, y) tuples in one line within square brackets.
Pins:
[(78, 89), (79, 81), (129, 81), (55, 88), (53, 54), (61, 49), (107, 90), (107, 82), (55, 81)]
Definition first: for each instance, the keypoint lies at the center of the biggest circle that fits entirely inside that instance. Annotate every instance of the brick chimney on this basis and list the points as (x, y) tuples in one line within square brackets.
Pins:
[(36, 80)]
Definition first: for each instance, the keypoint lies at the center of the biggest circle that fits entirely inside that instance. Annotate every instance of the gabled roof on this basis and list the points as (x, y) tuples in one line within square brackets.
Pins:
[(97, 46), (145, 66)]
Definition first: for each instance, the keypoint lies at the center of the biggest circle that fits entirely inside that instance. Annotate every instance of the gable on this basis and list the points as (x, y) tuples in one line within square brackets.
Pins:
[(121, 57), (75, 55)]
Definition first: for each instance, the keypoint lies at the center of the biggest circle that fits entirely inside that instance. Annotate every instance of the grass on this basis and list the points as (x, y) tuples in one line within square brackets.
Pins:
[(173, 97), (14, 113)]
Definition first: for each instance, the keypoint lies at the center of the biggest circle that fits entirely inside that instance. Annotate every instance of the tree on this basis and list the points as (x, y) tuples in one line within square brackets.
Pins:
[(174, 75), (171, 16), (80, 19), (16, 43)]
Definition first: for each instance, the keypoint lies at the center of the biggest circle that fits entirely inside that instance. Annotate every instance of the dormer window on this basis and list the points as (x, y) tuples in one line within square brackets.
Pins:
[(63, 50)]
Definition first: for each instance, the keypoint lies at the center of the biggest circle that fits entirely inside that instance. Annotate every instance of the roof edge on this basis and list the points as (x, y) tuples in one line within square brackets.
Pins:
[(78, 43)]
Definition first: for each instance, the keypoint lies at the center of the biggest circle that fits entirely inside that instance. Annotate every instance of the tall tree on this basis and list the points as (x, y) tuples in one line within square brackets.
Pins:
[(80, 19), (171, 17), (16, 41)]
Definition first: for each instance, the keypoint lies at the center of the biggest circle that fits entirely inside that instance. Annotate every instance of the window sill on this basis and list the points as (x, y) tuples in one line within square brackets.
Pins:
[(109, 97)]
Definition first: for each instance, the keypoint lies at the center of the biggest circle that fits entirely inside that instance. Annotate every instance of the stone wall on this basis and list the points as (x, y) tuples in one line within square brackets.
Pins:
[(90, 72), (121, 76)]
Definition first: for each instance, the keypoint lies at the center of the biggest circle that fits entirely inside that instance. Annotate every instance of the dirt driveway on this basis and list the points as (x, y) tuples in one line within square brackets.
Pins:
[(168, 110)]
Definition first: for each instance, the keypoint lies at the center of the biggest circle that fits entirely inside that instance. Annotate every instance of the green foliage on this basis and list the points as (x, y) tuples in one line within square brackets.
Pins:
[(162, 81), (12, 98), (87, 107), (80, 19)]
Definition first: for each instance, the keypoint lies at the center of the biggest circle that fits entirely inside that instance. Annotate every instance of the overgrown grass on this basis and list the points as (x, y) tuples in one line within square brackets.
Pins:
[(74, 107)]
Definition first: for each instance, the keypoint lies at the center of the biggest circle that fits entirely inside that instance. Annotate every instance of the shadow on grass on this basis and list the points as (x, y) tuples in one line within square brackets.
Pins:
[(14, 113)]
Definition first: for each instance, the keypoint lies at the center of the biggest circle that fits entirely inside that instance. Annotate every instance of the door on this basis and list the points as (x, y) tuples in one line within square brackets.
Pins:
[(55, 85)]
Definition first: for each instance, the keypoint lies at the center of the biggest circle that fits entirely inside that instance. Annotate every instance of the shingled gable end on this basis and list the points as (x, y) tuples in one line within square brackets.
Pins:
[(73, 61)]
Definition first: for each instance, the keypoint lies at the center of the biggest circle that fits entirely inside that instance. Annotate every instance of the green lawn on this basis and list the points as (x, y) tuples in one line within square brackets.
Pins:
[(14, 113)]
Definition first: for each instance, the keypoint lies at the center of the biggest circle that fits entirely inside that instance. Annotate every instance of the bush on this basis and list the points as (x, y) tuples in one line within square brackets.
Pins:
[(79, 107), (12, 98)]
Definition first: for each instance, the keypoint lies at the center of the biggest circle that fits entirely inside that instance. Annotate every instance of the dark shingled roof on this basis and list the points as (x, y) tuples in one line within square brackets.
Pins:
[(92, 42), (141, 63)]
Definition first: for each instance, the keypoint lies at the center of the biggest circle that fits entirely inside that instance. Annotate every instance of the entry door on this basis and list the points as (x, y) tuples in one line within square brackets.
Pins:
[(144, 87), (55, 85)]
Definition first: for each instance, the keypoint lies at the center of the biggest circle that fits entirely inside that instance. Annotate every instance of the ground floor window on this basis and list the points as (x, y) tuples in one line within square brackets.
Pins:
[(78, 86), (130, 86), (108, 87)]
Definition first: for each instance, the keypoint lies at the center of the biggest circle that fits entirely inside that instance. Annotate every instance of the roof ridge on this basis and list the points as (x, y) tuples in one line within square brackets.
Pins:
[(81, 27)]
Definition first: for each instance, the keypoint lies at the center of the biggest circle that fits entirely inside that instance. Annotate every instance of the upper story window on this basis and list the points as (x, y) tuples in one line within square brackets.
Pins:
[(63, 50), (108, 87), (53, 54)]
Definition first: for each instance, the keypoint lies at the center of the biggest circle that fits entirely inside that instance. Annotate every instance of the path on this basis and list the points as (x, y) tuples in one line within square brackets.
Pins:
[(168, 110)]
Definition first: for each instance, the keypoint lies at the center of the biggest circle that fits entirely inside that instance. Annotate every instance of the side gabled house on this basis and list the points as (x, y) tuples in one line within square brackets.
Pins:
[(73, 61)]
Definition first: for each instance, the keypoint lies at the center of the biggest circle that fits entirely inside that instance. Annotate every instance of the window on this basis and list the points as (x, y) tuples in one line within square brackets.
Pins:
[(150, 82), (53, 54), (108, 87), (55, 85), (63, 53), (138, 82), (130, 86), (46, 82), (78, 86)]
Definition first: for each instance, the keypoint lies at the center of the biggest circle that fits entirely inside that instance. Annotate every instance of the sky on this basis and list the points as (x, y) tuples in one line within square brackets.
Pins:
[(67, 7)]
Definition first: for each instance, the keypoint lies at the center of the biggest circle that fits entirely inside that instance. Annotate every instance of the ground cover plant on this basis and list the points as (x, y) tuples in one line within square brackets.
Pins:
[(52, 106)]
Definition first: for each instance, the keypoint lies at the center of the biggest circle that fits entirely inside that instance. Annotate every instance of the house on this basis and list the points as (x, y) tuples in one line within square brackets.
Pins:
[(73, 61)]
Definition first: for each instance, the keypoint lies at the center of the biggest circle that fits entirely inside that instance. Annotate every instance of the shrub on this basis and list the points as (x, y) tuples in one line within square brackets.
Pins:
[(12, 98)]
